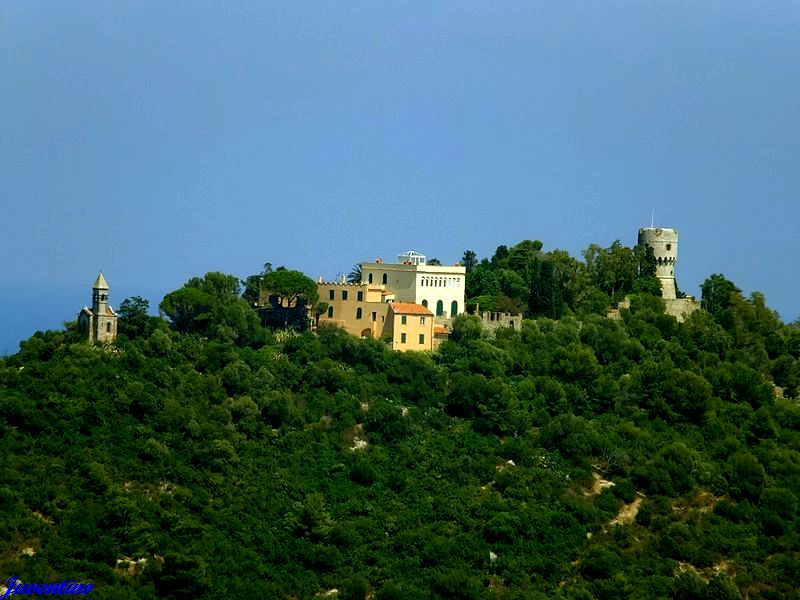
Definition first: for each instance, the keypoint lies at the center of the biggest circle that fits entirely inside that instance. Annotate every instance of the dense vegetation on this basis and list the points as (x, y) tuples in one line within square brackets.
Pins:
[(524, 279), (209, 457)]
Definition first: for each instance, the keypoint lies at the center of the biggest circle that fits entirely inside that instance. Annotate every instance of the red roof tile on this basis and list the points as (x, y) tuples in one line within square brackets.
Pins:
[(409, 308)]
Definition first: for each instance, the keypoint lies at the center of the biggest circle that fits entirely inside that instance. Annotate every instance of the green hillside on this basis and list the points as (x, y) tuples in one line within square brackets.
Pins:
[(579, 457)]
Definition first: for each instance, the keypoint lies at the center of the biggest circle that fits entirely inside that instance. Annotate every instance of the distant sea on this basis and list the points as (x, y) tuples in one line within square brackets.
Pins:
[(26, 308)]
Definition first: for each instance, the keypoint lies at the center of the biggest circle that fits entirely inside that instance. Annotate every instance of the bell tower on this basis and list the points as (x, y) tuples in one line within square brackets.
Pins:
[(99, 295), (100, 323)]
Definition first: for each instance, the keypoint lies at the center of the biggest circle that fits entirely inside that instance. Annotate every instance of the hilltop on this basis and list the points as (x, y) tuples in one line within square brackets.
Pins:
[(574, 457)]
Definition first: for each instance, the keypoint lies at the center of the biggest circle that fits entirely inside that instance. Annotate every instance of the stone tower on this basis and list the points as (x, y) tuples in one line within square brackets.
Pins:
[(664, 243), (100, 323)]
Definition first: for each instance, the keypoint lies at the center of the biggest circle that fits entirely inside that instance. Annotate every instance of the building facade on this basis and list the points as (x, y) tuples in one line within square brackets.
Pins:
[(358, 308), (438, 288), (410, 325), (99, 323)]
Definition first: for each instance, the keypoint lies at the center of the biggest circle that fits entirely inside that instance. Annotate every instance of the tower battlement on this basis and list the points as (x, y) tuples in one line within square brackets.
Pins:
[(664, 243)]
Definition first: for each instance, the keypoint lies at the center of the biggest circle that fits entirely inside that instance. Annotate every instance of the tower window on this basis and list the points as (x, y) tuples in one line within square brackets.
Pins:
[(369, 278), (358, 313), (108, 327), (330, 312), (344, 294), (669, 246), (331, 294), (360, 296), (385, 278)]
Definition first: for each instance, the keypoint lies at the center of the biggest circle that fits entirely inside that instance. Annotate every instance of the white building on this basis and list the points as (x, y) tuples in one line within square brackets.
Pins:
[(439, 288)]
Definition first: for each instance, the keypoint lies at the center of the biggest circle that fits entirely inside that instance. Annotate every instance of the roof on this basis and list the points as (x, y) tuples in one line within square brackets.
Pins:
[(409, 308), (439, 330), (100, 283)]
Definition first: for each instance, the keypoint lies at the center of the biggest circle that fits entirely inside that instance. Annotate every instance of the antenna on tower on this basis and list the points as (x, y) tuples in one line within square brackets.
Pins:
[(653, 218)]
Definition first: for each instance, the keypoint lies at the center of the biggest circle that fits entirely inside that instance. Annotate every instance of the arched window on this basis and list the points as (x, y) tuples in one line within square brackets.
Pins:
[(453, 308), (369, 278), (425, 303), (385, 278), (439, 308), (358, 313), (330, 312)]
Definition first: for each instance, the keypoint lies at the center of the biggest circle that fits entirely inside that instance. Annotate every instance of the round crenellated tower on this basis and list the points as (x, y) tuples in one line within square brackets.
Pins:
[(664, 243)]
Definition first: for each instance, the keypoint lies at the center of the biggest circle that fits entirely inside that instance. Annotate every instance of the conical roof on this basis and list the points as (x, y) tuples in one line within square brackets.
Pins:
[(100, 283)]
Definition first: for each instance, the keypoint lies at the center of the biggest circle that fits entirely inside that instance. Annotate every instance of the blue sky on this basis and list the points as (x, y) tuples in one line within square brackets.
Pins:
[(158, 141)]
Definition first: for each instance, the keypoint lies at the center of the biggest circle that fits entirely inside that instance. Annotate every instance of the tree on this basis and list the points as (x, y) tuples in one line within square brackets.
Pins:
[(434, 262), (290, 287), (615, 269), (211, 306), (133, 317), (252, 285), (521, 256), (482, 280), (320, 308), (500, 258), (546, 299), (469, 260), (354, 276), (716, 294)]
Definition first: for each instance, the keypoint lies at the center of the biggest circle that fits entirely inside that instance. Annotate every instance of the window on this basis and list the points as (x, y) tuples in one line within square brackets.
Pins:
[(669, 247), (108, 327), (374, 316), (421, 338), (385, 279), (330, 312), (358, 313), (360, 296), (403, 320), (344, 294), (453, 308), (369, 278), (402, 338), (331, 295), (383, 318), (439, 308), (422, 320), (425, 303)]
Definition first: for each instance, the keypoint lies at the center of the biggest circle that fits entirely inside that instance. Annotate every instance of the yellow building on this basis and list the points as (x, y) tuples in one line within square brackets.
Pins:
[(369, 311), (358, 308), (411, 326)]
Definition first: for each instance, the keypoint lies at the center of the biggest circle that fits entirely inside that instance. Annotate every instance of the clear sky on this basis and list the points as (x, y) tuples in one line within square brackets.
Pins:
[(161, 140)]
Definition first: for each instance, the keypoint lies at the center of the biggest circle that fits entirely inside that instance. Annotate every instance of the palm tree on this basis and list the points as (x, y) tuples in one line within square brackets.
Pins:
[(355, 274)]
